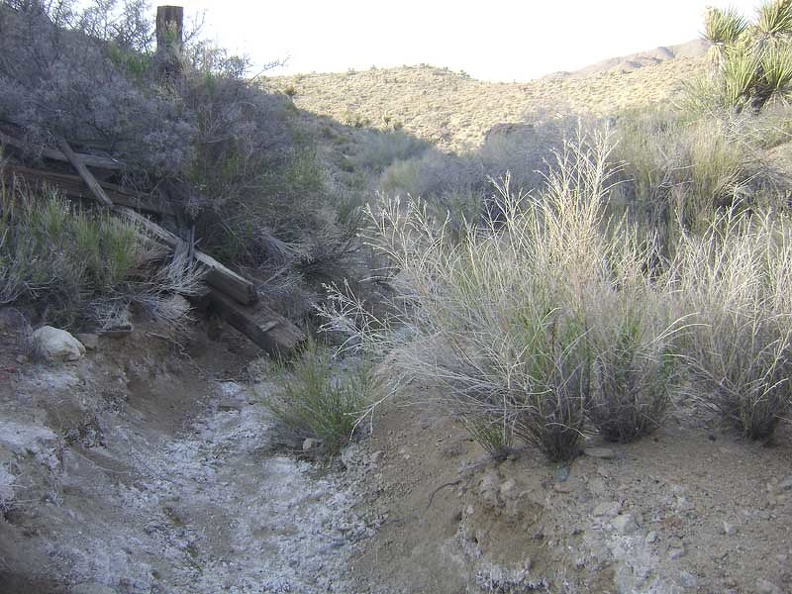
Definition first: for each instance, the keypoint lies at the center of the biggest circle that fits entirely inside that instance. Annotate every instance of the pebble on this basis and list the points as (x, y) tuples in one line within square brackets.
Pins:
[(729, 529), (676, 553), (764, 586), (651, 537), (786, 484), (602, 453), (625, 523), (92, 588), (310, 444), (606, 508)]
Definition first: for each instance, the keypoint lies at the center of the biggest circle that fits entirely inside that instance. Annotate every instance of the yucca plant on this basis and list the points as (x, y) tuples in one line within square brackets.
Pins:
[(754, 64)]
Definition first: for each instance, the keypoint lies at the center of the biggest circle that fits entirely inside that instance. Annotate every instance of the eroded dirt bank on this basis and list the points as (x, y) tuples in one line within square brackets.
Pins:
[(150, 466), (144, 469)]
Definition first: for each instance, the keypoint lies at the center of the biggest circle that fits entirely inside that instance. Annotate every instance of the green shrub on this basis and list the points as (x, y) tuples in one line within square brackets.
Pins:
[(70, 267), (59, 258), (321, 400)]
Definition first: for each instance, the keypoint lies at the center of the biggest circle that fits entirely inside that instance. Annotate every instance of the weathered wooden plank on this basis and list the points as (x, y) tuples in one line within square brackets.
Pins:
[(73, 185), (219, 277), (8, 139), (265, 327), (85, 173)]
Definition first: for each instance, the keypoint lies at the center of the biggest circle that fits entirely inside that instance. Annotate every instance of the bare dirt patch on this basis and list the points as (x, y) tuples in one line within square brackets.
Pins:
[(141, 469), (683, 511)]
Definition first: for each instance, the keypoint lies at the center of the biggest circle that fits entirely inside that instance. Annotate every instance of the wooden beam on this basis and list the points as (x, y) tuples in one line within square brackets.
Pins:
[(219, 277), (88, 178), (95, 161), (265, 327), (73, 185)]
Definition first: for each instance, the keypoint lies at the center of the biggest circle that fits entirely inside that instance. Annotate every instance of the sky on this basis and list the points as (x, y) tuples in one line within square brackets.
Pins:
[(494, 40)]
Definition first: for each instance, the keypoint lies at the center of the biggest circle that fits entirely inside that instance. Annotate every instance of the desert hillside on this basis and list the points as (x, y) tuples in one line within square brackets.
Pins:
[(454, 110)]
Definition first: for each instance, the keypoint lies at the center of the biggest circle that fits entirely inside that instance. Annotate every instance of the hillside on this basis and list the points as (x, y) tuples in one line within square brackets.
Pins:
[(455, 111)]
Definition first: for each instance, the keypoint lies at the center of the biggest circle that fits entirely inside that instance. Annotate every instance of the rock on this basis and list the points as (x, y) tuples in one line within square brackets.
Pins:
[(625, 523), (116, 323), (729, 529), (90, 341), (651, 537), (53, 344), (602, 453), (173, 307), (606, 508), (489, 488), (311, 444), (231, 404), (764, 586), (676, 553), (786, 484)]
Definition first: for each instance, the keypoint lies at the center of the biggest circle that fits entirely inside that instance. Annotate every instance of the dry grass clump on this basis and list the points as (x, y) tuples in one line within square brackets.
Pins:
[(515, 321), (736, 281)]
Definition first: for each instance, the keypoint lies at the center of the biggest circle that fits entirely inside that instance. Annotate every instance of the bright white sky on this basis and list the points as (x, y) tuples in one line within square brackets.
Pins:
[(498, 40)]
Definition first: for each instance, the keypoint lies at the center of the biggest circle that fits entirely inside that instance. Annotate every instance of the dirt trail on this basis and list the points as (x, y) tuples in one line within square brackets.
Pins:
[(133, 472)]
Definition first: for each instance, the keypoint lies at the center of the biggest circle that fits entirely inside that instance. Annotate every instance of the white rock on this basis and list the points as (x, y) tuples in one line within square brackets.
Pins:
[(607, 509), (602, 453), (764, 586), (54, 344), (625, 523)]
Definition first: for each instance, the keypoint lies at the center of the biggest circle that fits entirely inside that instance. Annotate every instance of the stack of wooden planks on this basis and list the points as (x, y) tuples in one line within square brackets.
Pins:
[(235, 297)]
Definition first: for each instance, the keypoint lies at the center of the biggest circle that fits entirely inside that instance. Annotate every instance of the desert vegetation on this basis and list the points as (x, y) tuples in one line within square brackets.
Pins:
[(624, 267), (572, 273)]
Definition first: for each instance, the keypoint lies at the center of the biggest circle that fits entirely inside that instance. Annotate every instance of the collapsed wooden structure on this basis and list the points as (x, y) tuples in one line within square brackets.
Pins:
[(235, 297)]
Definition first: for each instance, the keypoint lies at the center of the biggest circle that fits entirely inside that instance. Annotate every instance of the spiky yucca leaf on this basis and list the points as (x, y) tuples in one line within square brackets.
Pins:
[(722, 27), (739, 67), (777, 70), (774, 18)]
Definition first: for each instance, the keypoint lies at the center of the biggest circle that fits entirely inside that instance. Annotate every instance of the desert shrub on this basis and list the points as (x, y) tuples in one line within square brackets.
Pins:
[(508, 322), (735, 279), (73, 267), (230, 156), (432, 174), (321, 400), (676, 169), (60, 257), (377, 149), (633, 340), (525, 151)]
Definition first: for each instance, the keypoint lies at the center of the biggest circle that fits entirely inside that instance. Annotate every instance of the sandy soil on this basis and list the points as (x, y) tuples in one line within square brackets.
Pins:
[(150, 467)]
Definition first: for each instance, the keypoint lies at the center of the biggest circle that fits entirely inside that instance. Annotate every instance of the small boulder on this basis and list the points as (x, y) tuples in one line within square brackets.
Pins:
[(625, 523), (53, 344)]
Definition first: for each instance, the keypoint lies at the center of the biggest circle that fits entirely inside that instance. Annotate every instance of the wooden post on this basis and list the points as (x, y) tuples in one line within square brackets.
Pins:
[(170, 30)]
